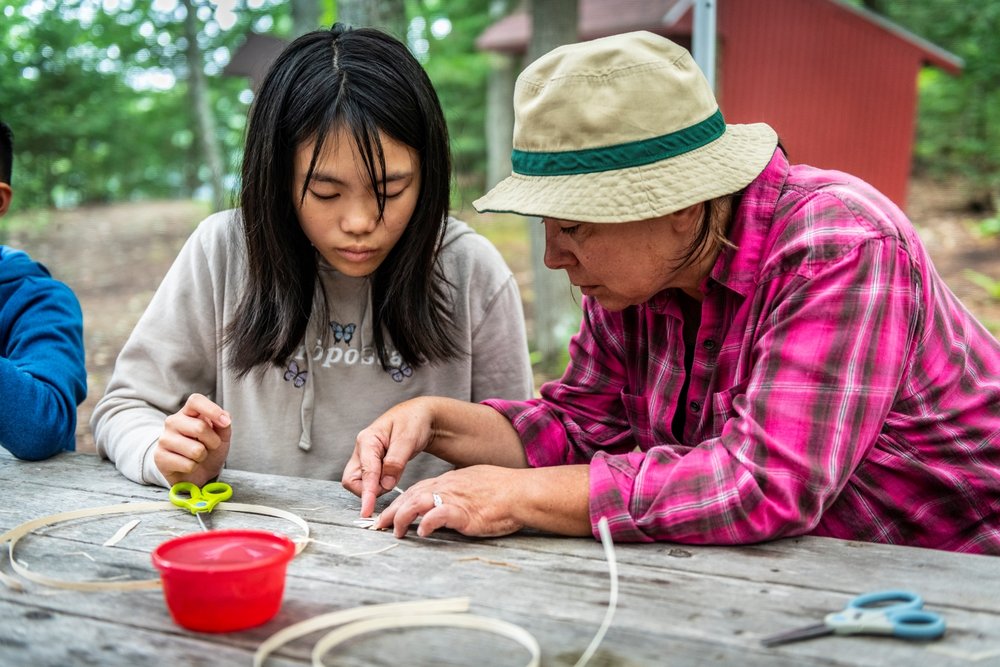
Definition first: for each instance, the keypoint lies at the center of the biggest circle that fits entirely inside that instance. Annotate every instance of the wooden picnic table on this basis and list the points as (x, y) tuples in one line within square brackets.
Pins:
[(678, 604)]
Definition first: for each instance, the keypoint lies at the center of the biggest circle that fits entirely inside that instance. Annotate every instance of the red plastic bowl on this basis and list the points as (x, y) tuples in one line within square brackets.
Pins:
[(224, 580)]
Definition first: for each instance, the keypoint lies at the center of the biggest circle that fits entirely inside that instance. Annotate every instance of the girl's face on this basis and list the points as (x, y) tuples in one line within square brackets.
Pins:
[(339, 214)]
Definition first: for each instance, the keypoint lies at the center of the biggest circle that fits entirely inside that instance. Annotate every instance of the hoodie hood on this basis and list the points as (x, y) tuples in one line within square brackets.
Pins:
[(16, 265), (454, 230)]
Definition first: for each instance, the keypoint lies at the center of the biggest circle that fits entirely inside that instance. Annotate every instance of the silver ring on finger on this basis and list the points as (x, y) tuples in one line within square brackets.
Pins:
[(437, 500)]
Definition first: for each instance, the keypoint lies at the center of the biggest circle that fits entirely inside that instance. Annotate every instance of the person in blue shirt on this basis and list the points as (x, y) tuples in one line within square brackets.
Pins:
[(42, 373)]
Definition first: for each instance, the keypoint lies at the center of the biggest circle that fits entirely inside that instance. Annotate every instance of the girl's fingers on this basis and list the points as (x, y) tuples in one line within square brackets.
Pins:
[(200, 406)]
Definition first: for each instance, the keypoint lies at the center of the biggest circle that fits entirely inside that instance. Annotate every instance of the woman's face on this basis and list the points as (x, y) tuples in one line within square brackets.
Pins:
[(626, 263), (339, 214)]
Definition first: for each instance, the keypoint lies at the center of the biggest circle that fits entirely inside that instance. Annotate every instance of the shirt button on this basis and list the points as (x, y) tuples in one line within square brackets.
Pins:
[(695, 406), (709, 344)]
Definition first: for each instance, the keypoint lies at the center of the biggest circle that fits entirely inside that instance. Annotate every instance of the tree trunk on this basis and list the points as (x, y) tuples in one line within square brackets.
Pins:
[(205, 125), (387, 15), (305, 16), (499, 117), (556, 318)]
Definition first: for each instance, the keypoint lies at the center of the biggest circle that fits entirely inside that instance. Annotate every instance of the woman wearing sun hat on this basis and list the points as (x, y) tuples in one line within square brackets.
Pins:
[(766, 349)]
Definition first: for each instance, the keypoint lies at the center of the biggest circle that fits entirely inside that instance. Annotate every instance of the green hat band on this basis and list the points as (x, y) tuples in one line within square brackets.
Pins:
[(622, 156)]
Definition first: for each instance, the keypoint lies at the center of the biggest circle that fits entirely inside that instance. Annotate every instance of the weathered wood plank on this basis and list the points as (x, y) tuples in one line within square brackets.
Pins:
[(33, 636)]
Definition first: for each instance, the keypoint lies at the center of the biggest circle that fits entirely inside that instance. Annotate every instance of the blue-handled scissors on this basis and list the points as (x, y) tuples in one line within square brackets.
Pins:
[(897, 613), (198, 500)]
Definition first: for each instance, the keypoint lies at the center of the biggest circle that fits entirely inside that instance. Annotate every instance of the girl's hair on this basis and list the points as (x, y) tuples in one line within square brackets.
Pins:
[(365, 82)]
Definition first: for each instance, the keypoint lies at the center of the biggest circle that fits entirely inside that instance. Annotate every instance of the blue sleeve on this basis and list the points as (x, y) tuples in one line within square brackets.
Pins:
[(42, 373)]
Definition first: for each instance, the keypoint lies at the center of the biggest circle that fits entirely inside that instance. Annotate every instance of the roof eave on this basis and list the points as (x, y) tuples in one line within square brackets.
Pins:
[(932, 53)]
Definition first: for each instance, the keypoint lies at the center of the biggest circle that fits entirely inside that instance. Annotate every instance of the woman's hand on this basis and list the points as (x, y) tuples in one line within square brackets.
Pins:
[(195, 442), (382, 451), (489, 501), (480, 501)]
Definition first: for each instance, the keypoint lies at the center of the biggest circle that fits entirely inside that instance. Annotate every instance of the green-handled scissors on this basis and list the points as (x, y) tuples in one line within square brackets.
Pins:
[(199, 500)]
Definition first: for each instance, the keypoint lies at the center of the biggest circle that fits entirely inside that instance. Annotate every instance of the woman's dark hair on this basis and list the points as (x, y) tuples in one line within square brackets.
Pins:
[(365, 82)]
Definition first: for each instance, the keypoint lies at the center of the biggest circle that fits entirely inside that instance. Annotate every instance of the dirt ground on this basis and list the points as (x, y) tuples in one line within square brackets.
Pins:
[(115, 256)]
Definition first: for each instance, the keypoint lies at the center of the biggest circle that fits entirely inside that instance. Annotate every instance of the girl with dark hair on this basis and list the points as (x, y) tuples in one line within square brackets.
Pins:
[(337, 289)]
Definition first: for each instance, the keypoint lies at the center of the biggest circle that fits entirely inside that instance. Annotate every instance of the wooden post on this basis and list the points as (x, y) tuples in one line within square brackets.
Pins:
[(556, 317), (703, 38)]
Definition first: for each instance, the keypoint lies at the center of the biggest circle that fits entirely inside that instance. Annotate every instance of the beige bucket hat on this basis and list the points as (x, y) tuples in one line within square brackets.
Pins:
[(622, 128)]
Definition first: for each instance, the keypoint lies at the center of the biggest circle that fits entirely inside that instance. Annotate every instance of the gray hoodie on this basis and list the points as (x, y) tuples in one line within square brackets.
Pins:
[(301, 419)]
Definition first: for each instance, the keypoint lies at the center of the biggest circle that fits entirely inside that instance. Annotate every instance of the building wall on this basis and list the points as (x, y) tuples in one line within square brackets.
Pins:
[(840, 92)]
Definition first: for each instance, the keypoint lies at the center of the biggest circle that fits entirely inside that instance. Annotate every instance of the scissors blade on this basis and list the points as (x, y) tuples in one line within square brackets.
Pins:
[(197, 515), (807, 632)]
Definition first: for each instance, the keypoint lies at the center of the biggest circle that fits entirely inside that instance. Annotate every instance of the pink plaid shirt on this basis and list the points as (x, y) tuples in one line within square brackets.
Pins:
[(838, 388)]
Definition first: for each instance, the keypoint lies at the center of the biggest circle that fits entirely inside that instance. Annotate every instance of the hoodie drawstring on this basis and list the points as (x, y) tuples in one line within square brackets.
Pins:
[(308, 403)]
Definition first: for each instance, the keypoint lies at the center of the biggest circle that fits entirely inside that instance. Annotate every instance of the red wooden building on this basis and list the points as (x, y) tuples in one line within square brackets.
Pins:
[(838, 83)]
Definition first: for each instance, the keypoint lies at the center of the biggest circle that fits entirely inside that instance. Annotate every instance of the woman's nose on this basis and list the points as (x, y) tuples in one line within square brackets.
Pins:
[(555, 257)]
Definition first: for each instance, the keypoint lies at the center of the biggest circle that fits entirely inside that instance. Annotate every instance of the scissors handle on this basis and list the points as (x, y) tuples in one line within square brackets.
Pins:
[(906, 624), (196, 500), (860, 622), (893, 600), (217, 491), (918, 624), (897, 613)]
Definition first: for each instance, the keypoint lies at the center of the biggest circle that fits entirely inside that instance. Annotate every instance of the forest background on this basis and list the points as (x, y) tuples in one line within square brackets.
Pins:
[(128, 132), (106, 104)]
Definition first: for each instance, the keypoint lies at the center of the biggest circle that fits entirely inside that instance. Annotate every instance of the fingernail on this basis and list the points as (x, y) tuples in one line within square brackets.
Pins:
[(388, 482), (224, 419)]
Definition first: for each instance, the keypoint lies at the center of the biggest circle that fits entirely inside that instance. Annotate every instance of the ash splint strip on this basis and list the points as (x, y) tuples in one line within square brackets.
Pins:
[(449, 612), (13, 535)]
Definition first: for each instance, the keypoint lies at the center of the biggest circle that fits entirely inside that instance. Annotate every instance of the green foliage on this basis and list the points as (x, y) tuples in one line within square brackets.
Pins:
[(76, 85), (991, 286), (959, 122), (989, 226), (98, 102), (460, 74), (96, 92)]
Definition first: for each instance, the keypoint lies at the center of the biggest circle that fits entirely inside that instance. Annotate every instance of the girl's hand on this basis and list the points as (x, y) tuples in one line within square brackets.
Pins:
[(195, 442), (382, 451)]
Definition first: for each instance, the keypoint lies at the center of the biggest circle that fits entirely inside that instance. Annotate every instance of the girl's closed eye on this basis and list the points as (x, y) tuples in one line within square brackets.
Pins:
[(324, 195)]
